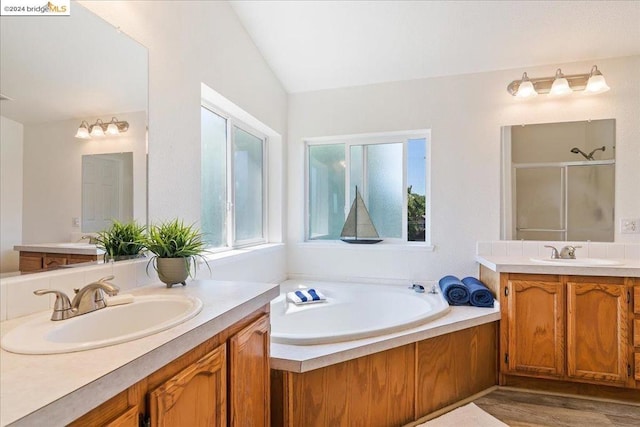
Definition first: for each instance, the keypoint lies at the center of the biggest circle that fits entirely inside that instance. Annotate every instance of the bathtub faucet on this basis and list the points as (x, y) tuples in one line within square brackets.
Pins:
[(417, 288)]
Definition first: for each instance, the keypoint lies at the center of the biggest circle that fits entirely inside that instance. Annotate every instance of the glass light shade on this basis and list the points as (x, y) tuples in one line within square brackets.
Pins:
[(526, 90), (96, 131), (112, 129), (83, 132), (596, 84), (560, 87)]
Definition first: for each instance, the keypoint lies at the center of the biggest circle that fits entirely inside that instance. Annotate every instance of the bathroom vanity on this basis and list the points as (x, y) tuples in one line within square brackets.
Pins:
[(49, 256), (567, 328), (217, 361)]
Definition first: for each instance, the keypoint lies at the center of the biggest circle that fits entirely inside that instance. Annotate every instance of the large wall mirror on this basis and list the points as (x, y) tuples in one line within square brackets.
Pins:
[(558, 181), (55, 73)]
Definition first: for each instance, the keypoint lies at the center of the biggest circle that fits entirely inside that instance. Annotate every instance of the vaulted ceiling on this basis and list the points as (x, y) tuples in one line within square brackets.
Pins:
[(314, 45)]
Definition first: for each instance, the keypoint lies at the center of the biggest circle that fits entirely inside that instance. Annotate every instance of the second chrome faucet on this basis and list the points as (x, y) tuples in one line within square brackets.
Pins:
[(567, 252), (86, 300)]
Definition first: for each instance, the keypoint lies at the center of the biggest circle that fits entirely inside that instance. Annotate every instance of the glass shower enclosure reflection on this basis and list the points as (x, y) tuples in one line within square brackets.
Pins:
[(558, 181)]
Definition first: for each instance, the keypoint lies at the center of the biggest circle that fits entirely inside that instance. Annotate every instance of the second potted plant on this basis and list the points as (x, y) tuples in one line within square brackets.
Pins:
[(121, 241), (176, 248)]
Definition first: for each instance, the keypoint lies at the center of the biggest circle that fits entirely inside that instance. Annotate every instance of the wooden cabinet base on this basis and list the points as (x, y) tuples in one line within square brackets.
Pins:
[(393, 387)]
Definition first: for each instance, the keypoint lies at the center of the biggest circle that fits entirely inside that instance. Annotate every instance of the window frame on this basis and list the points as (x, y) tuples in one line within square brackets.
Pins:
[(371, 139), (230, 217)]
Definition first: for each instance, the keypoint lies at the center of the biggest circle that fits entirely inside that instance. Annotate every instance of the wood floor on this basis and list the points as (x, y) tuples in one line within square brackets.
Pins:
[(523, 409)]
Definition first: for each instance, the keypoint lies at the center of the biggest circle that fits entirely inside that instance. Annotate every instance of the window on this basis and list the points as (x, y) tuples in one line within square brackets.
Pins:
[(390, 172), (233, 181)]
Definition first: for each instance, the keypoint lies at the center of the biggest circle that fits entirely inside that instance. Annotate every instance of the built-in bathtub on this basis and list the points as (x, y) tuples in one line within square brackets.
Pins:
[(351, 311), (376, 355)]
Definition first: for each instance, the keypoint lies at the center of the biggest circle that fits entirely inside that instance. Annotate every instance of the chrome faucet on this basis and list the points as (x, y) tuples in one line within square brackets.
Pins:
[(554, 252), (92, 239), (89, 298), (568, 252)]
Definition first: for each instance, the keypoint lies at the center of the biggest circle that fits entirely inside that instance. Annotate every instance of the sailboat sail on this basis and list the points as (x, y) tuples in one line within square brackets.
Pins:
[(358, 227)]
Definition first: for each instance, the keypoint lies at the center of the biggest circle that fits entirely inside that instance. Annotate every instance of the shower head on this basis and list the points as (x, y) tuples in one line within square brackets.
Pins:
[(576, 150)]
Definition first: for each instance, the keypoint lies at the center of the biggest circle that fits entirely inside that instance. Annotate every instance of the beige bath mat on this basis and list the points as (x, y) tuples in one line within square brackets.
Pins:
[(465, 416)]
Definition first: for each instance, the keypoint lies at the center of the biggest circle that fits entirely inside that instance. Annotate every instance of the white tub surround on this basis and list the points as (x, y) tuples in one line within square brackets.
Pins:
[(351, 311), (303, 358), (522, 264), (57, 389), (61, 248)]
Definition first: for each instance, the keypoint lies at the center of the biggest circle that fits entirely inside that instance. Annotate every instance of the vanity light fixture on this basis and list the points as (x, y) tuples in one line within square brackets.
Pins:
[(83, 131), (591, 83), (560, 85), (100, 128)]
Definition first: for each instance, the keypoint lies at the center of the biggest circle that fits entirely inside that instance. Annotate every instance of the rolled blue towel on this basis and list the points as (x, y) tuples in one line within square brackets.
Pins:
[(479, 294), (306, 296), (454, 290)]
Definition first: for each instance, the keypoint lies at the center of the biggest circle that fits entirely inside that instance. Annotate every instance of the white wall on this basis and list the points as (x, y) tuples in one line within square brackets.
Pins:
[(11, 135), (465, 114), (190, 43), (53, 173)]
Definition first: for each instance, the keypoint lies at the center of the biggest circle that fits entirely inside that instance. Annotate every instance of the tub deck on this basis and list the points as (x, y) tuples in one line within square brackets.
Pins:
[(303, 358)]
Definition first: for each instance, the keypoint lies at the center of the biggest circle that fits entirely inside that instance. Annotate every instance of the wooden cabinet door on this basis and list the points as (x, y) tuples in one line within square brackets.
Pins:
[(31, 261), (249, 376), (195, 397), (597, 332), (535, 312), (54, 260), (129, 418)]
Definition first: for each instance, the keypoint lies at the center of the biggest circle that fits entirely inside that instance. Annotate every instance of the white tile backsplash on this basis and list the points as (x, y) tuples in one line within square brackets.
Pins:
[(632, 251), (615, 250), (499, 248), (16, 293), (530, 249), (514, 248), (125, 275), (21, 300), (598, 250)]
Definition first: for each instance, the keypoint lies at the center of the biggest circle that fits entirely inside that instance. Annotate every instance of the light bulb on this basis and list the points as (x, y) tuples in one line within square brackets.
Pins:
[(96, 131), (83, 131), (596, 83), (112, 129), (560, 85), (526, 88)]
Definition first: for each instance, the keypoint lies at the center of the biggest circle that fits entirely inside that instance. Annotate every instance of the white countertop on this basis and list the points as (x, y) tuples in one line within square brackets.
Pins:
[(523, 264), (302, 358), (57, 389), (61, 248)]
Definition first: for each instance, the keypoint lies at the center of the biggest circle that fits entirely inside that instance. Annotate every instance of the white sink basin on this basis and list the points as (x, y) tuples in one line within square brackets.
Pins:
[(580, 262), (147, 315)]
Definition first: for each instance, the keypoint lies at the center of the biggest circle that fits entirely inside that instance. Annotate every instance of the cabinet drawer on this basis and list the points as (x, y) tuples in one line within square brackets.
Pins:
[(30, 261), (636, 300), (636, 332), (637, 374), (54, 260), (75, 259)]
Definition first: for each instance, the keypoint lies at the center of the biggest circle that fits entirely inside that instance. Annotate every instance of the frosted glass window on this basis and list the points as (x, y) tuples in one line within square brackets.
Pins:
[(326, 191), (248, 185), (214, 178), (590, 202), (389, 171), (379, 167)]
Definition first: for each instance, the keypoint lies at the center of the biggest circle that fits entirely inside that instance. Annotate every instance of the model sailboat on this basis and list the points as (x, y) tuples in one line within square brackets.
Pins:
[(358, 227)]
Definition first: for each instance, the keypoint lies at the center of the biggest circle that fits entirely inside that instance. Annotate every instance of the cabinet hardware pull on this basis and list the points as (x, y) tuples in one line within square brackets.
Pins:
[(506, 292)]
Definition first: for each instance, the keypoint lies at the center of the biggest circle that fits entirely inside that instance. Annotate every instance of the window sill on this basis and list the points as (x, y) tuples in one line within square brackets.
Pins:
[(382, 246), (234, 255)]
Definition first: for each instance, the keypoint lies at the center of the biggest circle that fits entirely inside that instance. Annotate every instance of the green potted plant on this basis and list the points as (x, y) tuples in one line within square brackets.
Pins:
[(121, 241), (176, 248)]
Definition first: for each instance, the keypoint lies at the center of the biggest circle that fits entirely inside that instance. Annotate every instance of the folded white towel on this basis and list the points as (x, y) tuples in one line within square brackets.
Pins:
[(306, 296)]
